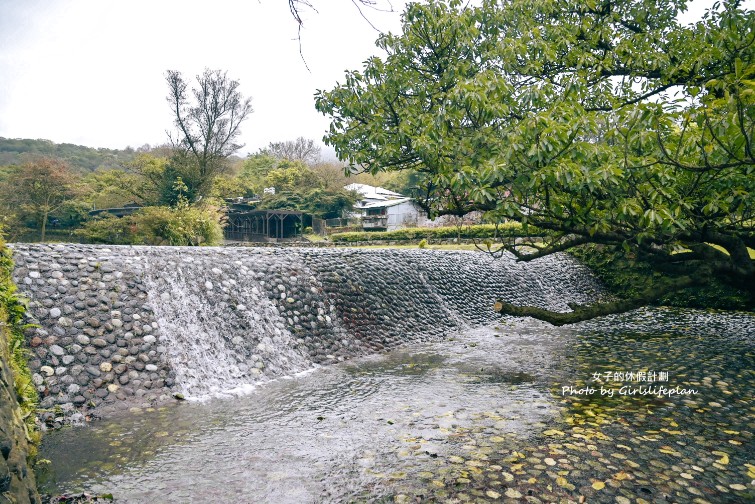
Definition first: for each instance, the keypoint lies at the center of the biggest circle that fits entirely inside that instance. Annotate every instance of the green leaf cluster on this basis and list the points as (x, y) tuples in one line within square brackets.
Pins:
[(602, 122), (13, 343)]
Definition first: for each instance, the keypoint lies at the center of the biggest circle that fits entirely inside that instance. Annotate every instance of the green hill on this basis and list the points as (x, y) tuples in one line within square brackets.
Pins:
[(15, 151)]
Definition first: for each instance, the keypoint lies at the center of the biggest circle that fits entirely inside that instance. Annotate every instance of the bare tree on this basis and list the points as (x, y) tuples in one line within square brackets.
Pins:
[(207, 119), (301, 149), (296, 5)]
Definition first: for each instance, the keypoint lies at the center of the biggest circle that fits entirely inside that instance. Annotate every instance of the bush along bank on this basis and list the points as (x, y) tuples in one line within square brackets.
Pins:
[(18, 397), (478, 232), (626, 277)]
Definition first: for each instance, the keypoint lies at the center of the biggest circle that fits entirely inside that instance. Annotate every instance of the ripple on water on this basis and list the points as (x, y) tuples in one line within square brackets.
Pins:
[(478, 417)]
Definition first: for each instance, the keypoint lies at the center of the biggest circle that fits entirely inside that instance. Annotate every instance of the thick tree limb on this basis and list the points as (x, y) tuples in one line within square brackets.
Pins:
[(559, 246), (581, 313)]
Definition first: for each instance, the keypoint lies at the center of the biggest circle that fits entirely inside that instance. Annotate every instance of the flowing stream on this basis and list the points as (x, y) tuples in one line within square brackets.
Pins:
[(374, 376), (480, 415)]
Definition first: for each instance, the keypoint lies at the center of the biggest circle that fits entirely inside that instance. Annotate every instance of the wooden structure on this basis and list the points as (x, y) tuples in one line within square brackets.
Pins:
[(247, 224), (127, 209)]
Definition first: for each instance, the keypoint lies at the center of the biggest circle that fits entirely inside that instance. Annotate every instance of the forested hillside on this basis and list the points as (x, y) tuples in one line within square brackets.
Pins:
[(16, 151)]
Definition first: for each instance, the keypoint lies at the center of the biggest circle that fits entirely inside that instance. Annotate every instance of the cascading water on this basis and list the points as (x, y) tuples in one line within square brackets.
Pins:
[(147, 322), (477, 414), (221, 330)]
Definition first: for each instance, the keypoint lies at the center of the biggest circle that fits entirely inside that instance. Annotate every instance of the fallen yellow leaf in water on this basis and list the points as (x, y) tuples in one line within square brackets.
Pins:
[(724, 457), (598, 485), (621, 476), (669, 451)]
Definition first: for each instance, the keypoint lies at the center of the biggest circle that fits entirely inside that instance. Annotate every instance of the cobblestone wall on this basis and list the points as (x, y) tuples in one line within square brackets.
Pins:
[(125, 326)]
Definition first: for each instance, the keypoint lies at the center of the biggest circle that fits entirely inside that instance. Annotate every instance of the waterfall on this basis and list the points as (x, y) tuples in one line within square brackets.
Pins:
[(221, 329), (119, 322)]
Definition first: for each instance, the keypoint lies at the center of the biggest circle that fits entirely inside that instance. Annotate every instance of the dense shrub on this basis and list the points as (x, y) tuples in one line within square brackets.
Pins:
[(183, 225), (109, 229), (481, 231), (158, 225), (627, 277)]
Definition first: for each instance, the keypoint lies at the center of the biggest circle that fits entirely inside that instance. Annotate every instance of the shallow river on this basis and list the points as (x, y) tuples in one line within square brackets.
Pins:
[(519, 411)]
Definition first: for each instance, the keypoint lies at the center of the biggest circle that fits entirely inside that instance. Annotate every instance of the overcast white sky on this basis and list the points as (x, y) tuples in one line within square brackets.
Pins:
[(91, 72)]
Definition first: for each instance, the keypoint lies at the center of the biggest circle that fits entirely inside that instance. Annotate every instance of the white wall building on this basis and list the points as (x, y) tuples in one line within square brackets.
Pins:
[(384, 210)]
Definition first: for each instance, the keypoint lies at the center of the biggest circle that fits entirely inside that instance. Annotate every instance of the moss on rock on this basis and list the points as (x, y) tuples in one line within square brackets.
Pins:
[(18, 397)]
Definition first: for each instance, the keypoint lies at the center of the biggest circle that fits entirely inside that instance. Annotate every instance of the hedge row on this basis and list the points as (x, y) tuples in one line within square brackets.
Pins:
[(481, 231)]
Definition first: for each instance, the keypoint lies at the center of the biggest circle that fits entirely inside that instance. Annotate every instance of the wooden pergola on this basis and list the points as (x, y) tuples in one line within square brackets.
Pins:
[(262, 225)]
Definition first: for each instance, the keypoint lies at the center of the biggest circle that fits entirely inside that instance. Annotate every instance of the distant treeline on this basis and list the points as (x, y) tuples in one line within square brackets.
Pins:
[(16, 151)]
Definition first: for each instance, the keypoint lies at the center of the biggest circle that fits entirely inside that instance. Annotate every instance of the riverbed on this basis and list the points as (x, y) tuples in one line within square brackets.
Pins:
[(651, 406)]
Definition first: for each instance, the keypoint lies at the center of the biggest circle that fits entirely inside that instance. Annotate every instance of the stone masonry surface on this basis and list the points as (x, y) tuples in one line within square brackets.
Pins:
[(110, 336)]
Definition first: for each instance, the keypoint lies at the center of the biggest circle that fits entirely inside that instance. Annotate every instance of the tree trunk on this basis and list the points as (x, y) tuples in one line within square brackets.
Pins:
[(44, 225)]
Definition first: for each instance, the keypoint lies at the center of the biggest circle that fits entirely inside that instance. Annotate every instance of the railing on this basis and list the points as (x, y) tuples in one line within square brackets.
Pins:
[(375, 222)]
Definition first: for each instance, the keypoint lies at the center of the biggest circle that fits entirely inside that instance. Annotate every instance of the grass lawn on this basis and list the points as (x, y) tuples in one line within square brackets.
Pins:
[(461, 246)]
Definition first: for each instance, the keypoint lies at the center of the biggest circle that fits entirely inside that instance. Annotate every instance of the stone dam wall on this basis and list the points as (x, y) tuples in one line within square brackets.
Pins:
[(132, 326)]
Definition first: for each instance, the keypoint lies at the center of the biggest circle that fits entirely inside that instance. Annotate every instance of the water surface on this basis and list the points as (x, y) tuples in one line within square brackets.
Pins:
[(480, 416)]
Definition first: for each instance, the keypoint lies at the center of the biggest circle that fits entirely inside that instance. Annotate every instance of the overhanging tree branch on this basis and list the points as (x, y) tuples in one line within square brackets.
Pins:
[(542, 251), (581, 313)]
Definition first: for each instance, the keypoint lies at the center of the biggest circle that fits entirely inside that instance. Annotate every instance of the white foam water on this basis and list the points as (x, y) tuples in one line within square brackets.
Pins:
[(221, 331)]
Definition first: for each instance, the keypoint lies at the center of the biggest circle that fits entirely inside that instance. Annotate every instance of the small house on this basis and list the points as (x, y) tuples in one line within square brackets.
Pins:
[(384, 210)]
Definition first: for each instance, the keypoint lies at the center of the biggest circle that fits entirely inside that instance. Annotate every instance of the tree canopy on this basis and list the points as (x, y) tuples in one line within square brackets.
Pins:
[(302, 149), (315, 191), (17, 151), (603, 122), (39, 188)]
